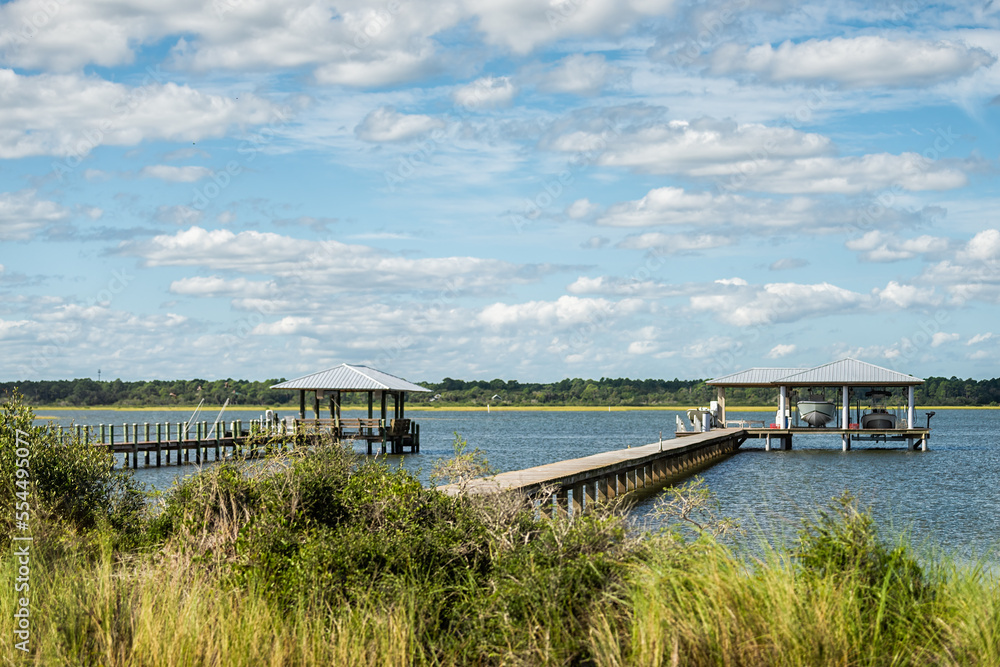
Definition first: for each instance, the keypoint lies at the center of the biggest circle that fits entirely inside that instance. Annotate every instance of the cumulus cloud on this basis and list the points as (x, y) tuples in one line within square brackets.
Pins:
[(566, 311), (337, 265), (582, 74), (486, 93), (980, 338), (972, 272), (212, 286), (877, 246), (770, 159), (70, 115), (905, 296), (788, 263), (749, 305), (387, 124), (22, 214), (670, 244), (677, 207), (864, 62), (941, 337), (781, 350), (189, 174), (581, 208)]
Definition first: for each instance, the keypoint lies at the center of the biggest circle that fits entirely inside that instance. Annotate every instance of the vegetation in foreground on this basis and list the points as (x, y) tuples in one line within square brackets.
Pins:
[(326, 559), (84, 392)]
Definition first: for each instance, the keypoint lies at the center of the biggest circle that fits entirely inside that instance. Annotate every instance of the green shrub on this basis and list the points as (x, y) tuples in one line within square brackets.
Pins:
[(71, 481)]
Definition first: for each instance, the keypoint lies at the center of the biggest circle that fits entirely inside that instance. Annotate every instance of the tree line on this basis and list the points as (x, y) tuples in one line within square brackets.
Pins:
[(84, 392)]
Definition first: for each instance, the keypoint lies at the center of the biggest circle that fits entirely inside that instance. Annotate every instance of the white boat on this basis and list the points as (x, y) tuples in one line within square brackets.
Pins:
[(816, 412)]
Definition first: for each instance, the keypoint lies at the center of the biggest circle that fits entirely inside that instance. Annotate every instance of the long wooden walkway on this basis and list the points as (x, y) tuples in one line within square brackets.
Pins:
[(603, 477), (202, 442)]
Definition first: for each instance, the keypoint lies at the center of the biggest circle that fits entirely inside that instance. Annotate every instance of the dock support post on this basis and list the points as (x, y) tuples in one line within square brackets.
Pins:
[(786, 442), (135, 446), (589, 495), (159, 437), (602, 490), (577, 500), (125, 442), (218, 441), (146, 455), (845, 442), (562, 501), (923, 442), (168, 442), (767, 442), (910, 407)]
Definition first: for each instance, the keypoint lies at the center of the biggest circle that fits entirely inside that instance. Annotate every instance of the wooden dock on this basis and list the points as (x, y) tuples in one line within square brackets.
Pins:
[(183, 441), (603, 477), (916, 438)]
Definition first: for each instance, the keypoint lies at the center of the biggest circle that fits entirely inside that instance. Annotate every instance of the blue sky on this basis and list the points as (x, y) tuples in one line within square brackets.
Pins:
[(515, 189)]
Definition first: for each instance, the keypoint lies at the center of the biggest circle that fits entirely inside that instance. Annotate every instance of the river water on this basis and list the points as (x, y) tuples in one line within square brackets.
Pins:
[(948, 497)]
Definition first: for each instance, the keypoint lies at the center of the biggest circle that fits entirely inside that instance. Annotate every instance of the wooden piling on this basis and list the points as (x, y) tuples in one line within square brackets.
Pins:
[(135, 446)]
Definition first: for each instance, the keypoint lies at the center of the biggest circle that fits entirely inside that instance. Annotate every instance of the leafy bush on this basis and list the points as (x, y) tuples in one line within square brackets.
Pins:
[(72, 481)]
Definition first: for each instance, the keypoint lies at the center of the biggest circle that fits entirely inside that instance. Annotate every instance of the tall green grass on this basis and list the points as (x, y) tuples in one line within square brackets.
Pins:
[(331, 559)]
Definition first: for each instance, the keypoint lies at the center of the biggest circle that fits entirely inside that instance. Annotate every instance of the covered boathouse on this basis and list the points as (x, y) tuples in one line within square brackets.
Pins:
[(855, 396), (392, 429)]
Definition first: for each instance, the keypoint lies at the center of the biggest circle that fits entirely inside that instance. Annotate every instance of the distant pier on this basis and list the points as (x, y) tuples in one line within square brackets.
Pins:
[(178, 443)]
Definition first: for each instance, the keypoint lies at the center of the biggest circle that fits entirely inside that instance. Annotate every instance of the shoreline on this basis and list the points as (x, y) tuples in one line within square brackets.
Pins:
[(474, 408)]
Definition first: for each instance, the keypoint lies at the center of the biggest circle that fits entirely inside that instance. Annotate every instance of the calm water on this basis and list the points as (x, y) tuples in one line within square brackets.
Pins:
[(947, 497)]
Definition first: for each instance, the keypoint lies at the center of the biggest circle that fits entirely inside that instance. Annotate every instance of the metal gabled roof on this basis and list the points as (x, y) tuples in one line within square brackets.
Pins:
[(851, 372), (754, 377), (348, 377)]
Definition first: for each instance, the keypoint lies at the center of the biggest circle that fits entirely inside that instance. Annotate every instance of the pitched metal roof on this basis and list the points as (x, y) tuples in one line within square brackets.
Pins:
[(835, 373), (754, 377), (851, 371), (348, 377)]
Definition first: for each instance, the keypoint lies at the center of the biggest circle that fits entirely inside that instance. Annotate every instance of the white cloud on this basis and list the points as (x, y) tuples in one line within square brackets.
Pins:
[(387, 124), (486, 93), (781, 350), (787, 263), (582, 74), (732, 281), (337, 265), (611, 286), (741, 305), (940, 338), (865, 61), (566, 311), (212, 286), (670, 244), (70, 115), (189, 174), (973, 272), (877, 246), (980, 338), (581, 208), (905, 296), (983, 247), (678, 207), (22, 214), (759, 157)]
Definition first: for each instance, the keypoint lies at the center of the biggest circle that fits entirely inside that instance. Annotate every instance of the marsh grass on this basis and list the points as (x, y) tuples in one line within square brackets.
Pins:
[(326, 558)]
